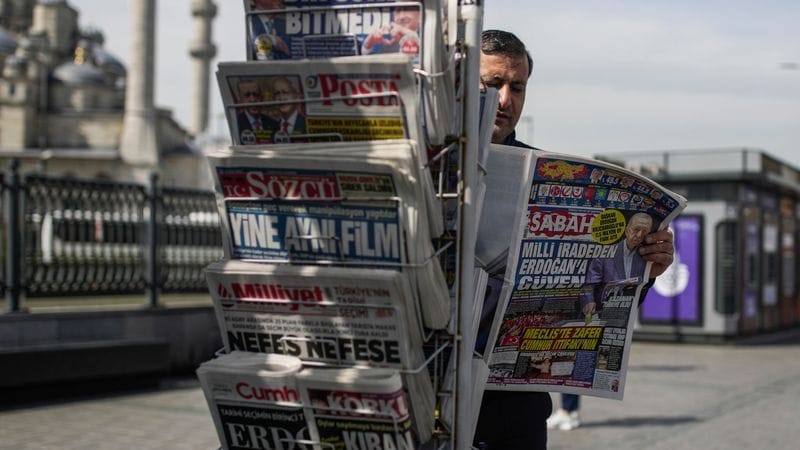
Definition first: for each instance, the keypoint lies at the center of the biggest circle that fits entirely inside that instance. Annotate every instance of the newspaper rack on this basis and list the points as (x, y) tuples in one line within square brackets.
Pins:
[(461, 148)]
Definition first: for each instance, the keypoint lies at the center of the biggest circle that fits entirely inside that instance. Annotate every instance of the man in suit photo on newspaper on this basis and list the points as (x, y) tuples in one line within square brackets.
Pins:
[(290, 121), (253, 125), (625, 268), (267, 44)]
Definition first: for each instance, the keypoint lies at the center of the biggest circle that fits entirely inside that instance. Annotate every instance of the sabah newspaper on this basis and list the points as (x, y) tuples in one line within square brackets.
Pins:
[(572, 275)]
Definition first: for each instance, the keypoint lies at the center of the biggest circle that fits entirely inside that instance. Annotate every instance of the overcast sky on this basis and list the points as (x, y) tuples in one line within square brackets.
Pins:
[(609, 75)]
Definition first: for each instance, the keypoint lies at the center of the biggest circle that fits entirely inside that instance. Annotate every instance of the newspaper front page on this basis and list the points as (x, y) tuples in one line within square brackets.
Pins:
[(573, 276), (357, 409), (254, 400), (330, 314), (311, 29), (335, 99)]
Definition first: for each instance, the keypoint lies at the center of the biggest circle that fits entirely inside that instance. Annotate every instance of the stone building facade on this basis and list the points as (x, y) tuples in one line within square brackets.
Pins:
[(63, 102)]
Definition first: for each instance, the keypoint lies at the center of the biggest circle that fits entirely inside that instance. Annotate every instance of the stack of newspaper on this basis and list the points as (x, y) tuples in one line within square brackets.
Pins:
[(358, 409), (339, 316), (320, 29), (324, 100), (260, 400), (254, 400), (356, 204), (329, 218), (348, 99)]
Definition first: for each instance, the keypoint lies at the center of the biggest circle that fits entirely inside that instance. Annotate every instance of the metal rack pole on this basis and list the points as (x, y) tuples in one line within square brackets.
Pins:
[(471, 13)]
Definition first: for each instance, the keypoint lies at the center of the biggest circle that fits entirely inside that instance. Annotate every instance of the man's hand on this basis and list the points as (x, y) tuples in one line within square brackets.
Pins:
[(376, 37), (280, 44), (659, 250), (398, 32)]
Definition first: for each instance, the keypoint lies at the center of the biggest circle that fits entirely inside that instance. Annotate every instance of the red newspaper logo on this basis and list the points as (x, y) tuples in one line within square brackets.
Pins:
[(558, 222), (333, 86), (224, 295), (295, 296), (358, 403), (282, 394), (278, 186)]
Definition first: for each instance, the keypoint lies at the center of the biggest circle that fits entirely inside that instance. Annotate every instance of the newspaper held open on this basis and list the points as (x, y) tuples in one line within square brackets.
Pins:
[(573, 274)]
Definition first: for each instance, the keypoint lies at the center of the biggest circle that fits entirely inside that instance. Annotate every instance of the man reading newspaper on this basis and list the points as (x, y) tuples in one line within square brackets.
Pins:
[(512, 419)]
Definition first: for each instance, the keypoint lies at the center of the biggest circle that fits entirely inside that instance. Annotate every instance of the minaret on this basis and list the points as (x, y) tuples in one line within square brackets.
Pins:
[(202, 51), (139, 146)]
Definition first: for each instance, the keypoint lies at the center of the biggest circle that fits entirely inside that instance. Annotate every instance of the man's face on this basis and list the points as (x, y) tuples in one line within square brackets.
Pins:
[(637, 229), (408, 18), (510, 77), (282, 90), (249, 92)]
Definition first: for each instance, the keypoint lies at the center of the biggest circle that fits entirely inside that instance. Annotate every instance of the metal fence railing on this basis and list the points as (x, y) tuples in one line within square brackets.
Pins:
[(66, 236)]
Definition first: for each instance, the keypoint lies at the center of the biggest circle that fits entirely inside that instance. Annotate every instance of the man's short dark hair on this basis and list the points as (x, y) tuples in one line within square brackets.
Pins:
[(498, 42)]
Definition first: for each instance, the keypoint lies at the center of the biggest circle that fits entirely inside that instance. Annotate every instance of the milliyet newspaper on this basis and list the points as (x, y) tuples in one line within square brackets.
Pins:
[(337, 315), (574, 277)]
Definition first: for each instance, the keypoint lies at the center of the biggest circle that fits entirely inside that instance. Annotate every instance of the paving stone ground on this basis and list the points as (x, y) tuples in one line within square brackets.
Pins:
[(678, 396)]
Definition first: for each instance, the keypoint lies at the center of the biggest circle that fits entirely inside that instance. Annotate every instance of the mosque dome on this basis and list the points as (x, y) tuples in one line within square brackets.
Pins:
[(79, 75), (8, 45), (93, 34), (15, 66), (108, 62)]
